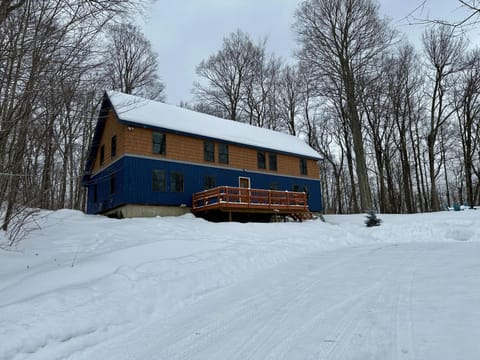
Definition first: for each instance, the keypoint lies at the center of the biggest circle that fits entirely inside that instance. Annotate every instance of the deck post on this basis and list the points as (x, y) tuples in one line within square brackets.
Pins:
[(230, 216)]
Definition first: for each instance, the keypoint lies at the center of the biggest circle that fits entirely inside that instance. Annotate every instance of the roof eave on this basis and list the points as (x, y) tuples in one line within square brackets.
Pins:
[(97, 135)]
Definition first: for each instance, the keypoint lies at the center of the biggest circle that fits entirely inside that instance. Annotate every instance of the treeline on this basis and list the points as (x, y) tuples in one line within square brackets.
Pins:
[(398, 127), (56, 59)]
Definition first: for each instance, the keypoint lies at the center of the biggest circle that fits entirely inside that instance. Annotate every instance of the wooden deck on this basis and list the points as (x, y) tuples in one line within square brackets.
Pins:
[(234, 199)]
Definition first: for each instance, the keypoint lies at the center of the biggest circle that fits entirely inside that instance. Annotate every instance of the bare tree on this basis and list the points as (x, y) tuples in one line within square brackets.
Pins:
[(443, 50), (404, 86), (473, 6), (227, 72), (290, 97), (46, 56), (131, 65), (340, 39), (8, 6), (380, 135), (467, 100), (260, 93)]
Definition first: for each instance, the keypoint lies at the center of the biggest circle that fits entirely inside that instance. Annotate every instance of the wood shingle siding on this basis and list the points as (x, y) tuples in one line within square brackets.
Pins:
[(138, 141), (112, 127)]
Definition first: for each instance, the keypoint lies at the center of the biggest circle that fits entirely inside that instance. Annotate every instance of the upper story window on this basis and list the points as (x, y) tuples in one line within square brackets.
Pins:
[(272, 162), (158, 143), (303, 166), (223, 153), (102, 154), (113, 147), (209, 151), (261, 160)]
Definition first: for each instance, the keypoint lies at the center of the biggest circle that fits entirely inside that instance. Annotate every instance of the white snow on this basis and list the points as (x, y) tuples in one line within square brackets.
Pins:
[(154, 113), (90, 287)]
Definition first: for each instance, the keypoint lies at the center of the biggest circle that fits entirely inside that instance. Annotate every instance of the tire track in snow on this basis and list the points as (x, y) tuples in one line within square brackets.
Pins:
[(295, 308), (255, 313), (405, 343), (353, 326), (267, 330), (353, 304), (349, 312)]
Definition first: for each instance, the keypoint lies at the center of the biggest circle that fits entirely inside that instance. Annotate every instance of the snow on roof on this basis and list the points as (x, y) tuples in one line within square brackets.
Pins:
[(137, 110)]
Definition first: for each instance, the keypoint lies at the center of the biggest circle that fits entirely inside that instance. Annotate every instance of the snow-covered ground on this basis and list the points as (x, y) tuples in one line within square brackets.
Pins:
[(89, 287)]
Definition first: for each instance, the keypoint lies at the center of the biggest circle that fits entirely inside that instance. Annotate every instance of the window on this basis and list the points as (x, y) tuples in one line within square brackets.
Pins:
[(158, 143), (295, 188), (209, 151), (95, 193), (303, 166), (261, 159), (209, 182), (272, 162), (112, 184), (102, 154), (223, 153), (113, 148), (158, 181), (176, 182)]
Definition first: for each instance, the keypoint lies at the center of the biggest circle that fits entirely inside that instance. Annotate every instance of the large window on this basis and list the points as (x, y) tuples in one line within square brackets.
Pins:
[(102, 154), (272, 162), (223, 153), (209, 151), (303, 166), (113, 147), (176, 182), (209, 182), (158, 143), (261, 160), (112, 184), (158, 181)]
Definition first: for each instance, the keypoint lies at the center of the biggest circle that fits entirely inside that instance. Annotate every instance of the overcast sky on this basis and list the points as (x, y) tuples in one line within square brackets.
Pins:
[(184, 32)]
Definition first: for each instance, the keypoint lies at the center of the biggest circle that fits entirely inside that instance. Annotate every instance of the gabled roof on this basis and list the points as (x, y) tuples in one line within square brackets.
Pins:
[(136, 111), (150, 113)]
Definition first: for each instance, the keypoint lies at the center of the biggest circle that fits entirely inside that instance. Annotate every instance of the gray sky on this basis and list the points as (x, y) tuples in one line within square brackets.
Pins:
[(184, 32)]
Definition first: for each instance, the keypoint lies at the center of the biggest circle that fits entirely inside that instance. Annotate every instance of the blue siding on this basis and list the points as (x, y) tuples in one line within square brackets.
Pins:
[(106, 200), (133, 178)]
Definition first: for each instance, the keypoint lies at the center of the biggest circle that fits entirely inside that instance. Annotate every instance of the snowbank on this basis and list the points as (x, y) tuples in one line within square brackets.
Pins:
[(82, 279)]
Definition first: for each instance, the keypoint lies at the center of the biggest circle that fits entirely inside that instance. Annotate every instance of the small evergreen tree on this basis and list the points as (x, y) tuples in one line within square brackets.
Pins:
[(372, 219)]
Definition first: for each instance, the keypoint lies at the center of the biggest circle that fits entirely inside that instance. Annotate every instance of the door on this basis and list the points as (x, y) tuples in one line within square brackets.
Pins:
[(244, 185), (244, 182)]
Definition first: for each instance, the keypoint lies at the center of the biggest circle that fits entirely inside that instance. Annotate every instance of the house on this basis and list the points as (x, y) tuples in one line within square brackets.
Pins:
[(148, 158)]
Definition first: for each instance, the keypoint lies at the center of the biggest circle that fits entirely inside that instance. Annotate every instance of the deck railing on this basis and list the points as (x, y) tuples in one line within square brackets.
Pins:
[(231, 198)]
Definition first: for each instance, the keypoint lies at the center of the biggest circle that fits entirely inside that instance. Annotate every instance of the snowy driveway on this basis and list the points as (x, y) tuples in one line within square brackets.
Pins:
[(406, 301)]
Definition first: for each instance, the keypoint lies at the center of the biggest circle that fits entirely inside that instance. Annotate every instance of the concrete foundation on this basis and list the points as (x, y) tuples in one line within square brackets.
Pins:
[(130, 211)]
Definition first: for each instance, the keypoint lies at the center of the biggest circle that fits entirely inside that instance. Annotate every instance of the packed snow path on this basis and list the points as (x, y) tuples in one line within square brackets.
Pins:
[(405, 301)]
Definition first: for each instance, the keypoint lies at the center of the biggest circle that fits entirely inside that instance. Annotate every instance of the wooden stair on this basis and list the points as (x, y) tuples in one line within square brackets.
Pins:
[(301, 216)]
